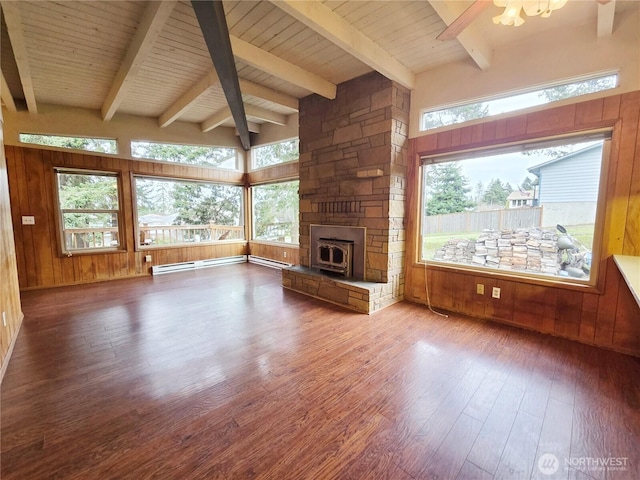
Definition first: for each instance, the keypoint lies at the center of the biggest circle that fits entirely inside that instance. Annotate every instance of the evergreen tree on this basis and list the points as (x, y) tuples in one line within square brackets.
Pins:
[(527, 184), (454, 115), (497, 192), (447, 189)]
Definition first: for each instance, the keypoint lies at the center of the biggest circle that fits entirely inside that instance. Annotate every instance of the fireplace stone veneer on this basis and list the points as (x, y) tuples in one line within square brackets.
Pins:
[(353, 173)]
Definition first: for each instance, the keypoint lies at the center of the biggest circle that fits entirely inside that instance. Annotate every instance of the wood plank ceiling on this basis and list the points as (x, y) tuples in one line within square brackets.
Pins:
[(150, 59)]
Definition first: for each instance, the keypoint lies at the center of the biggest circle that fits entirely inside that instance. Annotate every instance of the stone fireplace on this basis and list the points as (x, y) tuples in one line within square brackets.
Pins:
[(338, 250), (353, 170)]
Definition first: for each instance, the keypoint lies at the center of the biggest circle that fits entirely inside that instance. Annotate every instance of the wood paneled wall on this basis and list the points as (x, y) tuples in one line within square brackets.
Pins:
[(39, 262), (278, 252), (10, 307), (606, 316)]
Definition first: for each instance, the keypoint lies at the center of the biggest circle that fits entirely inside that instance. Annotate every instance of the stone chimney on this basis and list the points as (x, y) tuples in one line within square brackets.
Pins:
[(353, 172)]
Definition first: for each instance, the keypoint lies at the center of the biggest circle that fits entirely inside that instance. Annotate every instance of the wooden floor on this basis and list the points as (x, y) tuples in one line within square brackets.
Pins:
[(220, 373)]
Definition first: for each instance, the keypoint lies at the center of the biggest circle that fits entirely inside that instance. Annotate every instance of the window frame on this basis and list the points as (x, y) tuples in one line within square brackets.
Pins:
[(595, 282), (136, 223), (59, 212), (514, 93), (251, 201), (253, 168), (44, 145), (195, 165)]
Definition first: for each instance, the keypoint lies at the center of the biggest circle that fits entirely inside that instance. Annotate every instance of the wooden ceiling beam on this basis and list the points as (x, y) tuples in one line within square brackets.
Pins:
[(188, 98), (268, 94), (217, 119), (6, 96), (321, 19), (470, 38), (276, 66), (606, 15), (253, 127), (464, 20), (213, 23), (13, 21), (266, 115), (149, 28)]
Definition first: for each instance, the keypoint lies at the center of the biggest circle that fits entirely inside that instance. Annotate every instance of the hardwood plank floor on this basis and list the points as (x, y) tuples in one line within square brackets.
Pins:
[(220, 373)]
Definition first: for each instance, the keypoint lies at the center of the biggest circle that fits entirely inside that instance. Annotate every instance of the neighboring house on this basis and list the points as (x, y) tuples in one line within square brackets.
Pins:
[(568, 187), (521, 198)]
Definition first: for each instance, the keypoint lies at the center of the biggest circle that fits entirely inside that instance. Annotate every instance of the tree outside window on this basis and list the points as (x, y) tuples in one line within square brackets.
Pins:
[(275, 212), (89, 210)]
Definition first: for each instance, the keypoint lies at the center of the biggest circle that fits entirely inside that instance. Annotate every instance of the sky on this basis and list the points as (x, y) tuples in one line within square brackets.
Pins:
[(508, 167)]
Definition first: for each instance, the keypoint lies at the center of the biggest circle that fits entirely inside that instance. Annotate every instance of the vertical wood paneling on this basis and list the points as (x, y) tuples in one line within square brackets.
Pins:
[(32, 192), (608, 317), (9, 288)]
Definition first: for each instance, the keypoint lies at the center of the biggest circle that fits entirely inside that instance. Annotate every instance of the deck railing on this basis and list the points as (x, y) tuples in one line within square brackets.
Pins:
[(89, 238), (173, 234), (107, 237)]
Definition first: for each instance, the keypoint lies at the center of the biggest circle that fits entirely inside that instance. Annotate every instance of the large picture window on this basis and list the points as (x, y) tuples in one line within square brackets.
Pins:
[(528, 209), (275, 212), (89, 209), (172, 211)]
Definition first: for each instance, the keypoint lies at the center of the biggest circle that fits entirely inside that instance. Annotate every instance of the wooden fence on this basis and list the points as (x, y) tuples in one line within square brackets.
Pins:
[(469, 222)]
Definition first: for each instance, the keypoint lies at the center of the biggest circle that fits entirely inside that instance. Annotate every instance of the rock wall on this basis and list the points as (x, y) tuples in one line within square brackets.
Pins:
[(534, 250)]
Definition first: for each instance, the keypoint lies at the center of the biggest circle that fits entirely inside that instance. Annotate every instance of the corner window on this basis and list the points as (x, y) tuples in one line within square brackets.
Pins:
[(99, 145), (275, 212), (524, 209), (89, 210), (275, 153), (456, 114), (205, 156), (173, 211)]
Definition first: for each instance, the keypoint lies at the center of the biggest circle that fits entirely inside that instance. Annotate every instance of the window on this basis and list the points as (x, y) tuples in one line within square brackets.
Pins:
[(89, 210), (219, 157), (456, 114), (527, 209), (275, 212), (100, 145), (275, 153), (171, 211)]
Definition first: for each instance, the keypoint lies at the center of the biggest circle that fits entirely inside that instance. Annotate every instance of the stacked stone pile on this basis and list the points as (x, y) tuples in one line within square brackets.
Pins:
[(530, 249)]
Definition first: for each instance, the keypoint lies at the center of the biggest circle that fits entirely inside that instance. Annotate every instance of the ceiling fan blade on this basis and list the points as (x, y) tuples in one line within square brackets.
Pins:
[(463, 21)]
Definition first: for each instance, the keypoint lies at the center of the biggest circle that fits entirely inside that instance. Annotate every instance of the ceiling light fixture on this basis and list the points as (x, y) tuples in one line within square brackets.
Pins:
[(512, 9)]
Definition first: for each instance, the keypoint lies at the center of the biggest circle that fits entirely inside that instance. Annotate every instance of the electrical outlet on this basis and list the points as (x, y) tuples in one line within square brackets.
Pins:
[(284, 254), (147, 258), (4, 319), (480, 289), (28, 220), (495, 293)]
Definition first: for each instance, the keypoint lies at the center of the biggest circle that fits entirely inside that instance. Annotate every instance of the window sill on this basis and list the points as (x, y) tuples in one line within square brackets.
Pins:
[(93, 251), (275, 243), (514, 276), (190, 244)]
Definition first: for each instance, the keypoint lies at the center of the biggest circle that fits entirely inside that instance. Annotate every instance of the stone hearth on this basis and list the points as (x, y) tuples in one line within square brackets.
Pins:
[(353, 172)]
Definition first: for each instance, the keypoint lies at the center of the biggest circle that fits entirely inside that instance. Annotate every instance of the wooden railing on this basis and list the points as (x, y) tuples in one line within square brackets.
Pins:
[(172, 234), (107, 237), (87, 238)]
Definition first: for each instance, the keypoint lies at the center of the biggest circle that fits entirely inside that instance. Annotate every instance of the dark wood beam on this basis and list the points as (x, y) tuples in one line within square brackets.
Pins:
[(210, 15)]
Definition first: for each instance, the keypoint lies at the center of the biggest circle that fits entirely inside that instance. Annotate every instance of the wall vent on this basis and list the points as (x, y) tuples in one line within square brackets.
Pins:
[(267, 262), (212, 262)]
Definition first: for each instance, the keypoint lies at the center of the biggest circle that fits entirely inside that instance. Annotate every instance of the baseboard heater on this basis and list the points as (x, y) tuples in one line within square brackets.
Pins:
[(267, 262), (212, 262)]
